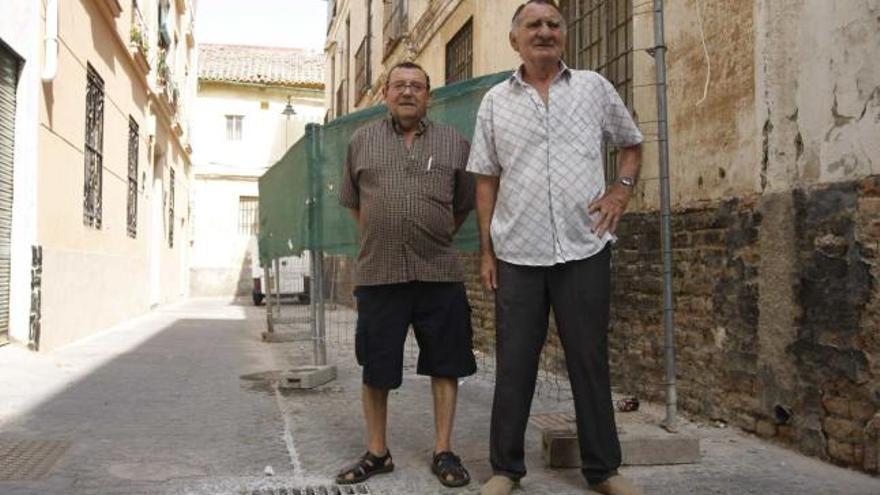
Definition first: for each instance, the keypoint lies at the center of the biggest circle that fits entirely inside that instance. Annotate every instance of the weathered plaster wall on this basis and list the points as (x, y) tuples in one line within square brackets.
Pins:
[(713, 142), (818, 86)]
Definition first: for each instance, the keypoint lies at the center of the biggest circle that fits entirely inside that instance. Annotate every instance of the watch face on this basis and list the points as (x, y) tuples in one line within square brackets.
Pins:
[(627, 181)]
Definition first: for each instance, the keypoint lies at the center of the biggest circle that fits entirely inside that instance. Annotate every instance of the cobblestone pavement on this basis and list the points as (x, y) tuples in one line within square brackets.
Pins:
[(184, 401)]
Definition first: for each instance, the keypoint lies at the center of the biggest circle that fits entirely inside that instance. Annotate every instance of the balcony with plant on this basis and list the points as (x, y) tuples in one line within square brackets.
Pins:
[(139, 41)]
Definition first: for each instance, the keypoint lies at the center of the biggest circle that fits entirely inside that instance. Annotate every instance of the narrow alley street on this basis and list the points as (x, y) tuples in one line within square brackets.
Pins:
[(183, 401)]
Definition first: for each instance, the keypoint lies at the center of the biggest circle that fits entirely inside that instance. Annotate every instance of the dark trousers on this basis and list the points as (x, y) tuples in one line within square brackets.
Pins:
[(579, 293)]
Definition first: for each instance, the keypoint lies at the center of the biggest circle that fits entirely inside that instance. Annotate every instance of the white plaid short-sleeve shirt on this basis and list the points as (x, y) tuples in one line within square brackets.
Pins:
[(549, 159)]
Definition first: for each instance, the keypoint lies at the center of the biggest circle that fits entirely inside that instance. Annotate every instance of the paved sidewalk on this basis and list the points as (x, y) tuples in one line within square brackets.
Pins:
[(182, 401)]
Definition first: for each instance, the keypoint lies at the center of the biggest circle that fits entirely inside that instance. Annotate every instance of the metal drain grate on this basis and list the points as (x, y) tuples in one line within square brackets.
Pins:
[(316, 490), (23, 460)]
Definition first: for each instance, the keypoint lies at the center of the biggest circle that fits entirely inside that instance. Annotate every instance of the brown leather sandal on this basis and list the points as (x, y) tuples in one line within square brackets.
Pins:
[(367, 466), (448, 469)]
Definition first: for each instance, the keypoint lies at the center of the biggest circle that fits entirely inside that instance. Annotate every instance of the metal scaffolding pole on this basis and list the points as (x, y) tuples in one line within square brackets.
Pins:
[(314, 297), (320, 328), (317, 254), (671, 421), (277, 284), (321, 356), (267, 296)]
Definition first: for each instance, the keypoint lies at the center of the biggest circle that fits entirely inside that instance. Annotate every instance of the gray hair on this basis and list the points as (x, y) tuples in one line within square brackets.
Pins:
[(514, 22)]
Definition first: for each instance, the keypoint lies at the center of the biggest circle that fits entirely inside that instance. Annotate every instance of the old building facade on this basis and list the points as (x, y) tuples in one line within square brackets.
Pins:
[(453, 40), (253, 103), (101, 164), (774, 110)]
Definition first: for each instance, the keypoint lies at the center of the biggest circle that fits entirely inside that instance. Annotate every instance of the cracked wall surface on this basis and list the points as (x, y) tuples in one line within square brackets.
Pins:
[(818, 83)]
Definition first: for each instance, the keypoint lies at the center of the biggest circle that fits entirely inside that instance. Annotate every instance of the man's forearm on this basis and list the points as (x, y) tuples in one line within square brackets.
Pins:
[(487, 194), (630, 161)]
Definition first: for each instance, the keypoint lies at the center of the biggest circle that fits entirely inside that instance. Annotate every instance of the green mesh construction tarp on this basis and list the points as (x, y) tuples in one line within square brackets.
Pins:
[(299, 203), (284, 208)]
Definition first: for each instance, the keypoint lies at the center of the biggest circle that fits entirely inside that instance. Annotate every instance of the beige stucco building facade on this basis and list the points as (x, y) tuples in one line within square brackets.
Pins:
[(102, 222), (241, 129), (412, 30)]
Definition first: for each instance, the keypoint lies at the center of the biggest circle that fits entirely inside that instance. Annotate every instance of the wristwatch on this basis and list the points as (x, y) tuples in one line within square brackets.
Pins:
[(627, 182)]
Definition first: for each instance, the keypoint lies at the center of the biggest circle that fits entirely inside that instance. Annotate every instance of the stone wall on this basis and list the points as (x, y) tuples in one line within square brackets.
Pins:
[(777, 316)]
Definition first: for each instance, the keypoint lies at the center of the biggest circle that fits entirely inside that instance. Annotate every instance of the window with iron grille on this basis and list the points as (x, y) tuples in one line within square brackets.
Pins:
[(341, 99), (600, 38), (233, 127), (395, 19), (171, 208), (361, 69), (363, 73), (94, 144), (248, 215), (133, 134), (460, 54), (332, 111)]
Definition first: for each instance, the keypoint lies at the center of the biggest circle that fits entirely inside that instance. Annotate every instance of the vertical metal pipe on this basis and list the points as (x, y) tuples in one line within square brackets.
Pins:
[(671, 420), (321, 354), (267, 296), (314, 301), (277, 284), (314, 133), (315, 241)]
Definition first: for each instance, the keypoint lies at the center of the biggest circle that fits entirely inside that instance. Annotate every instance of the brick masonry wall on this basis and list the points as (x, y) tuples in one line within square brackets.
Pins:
[(777, 313), (483, 319)]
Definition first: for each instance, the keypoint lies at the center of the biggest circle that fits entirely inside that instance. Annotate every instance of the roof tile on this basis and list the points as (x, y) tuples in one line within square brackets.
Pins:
[(261, 65)]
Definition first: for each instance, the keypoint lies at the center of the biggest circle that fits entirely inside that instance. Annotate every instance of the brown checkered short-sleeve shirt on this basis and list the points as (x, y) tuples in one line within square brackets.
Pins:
[(408, 199)]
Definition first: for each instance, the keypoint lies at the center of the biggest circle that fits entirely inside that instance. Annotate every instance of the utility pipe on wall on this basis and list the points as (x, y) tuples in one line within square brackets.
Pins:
[(50, 60), (671, 420)]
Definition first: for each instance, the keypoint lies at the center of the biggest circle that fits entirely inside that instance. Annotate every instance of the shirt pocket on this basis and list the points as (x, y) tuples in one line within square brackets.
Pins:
[(584, 133), (589, 140), (437, 180)]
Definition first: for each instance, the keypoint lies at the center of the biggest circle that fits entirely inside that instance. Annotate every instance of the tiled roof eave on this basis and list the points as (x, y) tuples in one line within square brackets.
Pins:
[(282, 84)]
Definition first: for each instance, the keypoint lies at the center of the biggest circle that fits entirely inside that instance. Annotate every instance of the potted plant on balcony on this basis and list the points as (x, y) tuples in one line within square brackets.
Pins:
[(138, 40), (162, 71)]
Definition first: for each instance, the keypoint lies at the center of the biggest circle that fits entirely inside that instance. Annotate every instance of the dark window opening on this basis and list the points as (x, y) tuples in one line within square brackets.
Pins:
[(133, 136), (94, 145), (248, 215), (171, 208), (395, 20), (460, 54)]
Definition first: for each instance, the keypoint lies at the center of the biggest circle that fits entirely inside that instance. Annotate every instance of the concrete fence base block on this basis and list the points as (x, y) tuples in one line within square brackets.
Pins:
[(638, 448), (282, 337), (307, 377)]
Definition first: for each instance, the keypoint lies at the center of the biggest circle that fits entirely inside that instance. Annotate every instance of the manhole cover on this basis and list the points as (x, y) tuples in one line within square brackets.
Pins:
[(23, 460), (315, 490)]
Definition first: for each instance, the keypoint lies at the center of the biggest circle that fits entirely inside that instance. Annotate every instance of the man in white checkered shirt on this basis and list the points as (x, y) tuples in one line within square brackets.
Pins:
[(546, 224)]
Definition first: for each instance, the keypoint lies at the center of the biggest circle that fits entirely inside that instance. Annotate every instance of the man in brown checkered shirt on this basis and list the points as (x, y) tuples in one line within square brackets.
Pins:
[(405, 183)]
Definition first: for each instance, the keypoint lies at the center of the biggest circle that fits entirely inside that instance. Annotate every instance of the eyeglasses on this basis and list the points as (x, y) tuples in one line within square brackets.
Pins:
[(401, 86)]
